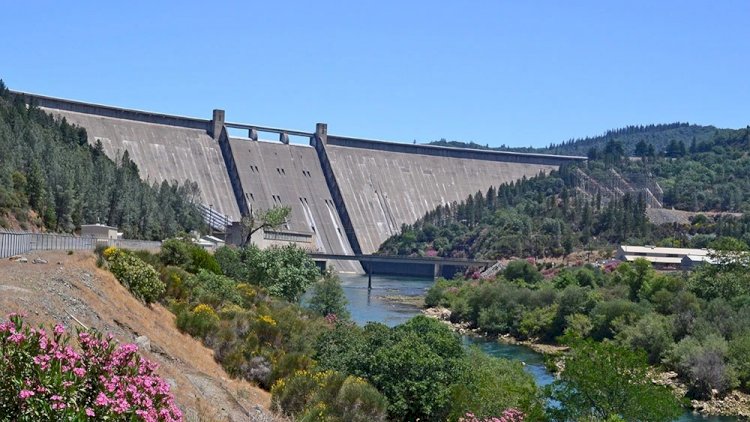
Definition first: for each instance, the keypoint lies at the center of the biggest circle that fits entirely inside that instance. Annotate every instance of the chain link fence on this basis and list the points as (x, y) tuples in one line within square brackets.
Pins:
[(18, 243)]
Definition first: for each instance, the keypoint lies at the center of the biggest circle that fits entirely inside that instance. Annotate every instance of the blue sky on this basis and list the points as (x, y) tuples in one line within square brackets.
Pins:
[(493, 72)]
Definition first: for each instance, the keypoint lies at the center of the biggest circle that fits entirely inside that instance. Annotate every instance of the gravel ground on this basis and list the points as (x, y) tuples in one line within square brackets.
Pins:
[(70, 289)]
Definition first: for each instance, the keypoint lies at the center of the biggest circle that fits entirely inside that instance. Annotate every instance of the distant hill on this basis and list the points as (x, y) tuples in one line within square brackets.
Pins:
[(659, 136)]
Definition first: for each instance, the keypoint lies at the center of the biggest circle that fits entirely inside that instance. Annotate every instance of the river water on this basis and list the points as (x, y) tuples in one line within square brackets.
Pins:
[(374, 305)]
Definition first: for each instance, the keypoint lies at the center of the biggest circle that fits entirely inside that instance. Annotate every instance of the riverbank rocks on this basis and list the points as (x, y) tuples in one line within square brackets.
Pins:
[(443, 314), (734, 403)]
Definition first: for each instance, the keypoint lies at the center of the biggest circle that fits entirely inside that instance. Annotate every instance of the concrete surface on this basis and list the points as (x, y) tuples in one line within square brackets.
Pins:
[(273, 174), (164, 152), (383, 189)]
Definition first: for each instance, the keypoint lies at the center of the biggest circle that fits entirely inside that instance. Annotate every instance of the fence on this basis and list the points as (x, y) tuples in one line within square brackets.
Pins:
[(12, 243)]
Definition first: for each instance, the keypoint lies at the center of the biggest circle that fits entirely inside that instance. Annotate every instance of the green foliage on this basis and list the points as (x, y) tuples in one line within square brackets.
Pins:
[(739, 351), (284, 271), (214, 289), (198, 321), (176, 252), (140, 278), (263, 219), (201, 259), (48, 166), (424, 372), (652, 333), (328, 297), (604, 380), (328, 396), (490, 385), (522, 270), (704, 361)]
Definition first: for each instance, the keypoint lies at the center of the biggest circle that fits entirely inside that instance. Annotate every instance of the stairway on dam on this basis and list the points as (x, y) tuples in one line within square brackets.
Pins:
[(347, 195)]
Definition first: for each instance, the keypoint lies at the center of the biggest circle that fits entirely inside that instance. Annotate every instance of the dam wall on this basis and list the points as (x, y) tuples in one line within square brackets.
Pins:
[(171, 148), (383, 185), (347, 195)]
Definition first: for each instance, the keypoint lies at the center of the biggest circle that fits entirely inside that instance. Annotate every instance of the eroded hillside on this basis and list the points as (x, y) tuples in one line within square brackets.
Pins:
[(70, 289)]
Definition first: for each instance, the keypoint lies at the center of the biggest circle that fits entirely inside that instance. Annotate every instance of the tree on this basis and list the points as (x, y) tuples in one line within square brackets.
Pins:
[(490, 385), (265, 219), (328, 297), (604, 380), (285, 271)]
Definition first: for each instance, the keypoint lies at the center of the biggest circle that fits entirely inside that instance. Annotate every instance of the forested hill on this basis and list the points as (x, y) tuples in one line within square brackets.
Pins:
[(52, 179), (574, 209), (660, 136)]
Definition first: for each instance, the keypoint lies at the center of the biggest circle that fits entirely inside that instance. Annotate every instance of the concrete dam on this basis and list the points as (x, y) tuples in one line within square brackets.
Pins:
[(347, 195)]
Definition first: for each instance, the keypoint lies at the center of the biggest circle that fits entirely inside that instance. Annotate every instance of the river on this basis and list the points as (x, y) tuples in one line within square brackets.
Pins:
[(374, 305)]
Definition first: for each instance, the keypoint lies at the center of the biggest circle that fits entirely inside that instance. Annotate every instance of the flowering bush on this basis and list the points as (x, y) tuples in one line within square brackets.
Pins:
[(509, 415), (139, 277), (198, 322), (45, 378)]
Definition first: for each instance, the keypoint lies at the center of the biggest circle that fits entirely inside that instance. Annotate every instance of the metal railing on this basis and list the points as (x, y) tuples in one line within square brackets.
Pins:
[(17, 243)]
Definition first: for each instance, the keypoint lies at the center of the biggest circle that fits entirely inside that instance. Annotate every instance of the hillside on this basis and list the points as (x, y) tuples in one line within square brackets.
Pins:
[(598, 204), (71, 286), (52, 179), (659, 136)]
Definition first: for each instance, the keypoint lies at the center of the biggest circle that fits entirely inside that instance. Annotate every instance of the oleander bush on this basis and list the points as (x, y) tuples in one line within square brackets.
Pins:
[(46, 378)]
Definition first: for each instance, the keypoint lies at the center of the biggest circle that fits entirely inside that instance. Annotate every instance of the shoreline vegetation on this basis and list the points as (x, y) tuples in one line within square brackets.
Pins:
[(734, 403)]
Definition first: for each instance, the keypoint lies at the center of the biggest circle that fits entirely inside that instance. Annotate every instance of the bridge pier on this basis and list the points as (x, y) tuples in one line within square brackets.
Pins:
[(438, 271)]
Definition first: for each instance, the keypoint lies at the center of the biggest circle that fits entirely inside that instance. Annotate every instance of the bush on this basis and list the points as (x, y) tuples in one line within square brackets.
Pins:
[(490, 385), (140, 278), (199, 321), (652, 333), (602, 380), (703, 364), (328, 297), (285, 271), (174, 279), (326, 396), (522, 270), (175, 252), (201, 259), (212, 288), (44, 378)]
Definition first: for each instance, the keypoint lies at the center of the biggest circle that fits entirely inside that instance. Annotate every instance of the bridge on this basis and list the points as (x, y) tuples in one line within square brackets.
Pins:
[(369, 262)]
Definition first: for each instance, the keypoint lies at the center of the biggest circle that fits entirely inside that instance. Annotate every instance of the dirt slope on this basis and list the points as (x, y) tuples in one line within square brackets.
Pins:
[(71, 286)]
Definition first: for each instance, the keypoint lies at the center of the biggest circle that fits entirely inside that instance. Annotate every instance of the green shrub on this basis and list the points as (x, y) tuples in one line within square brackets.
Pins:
[(522, 270), (328, 297), (328, 396), (201, 259), (490, 385), (199, 321), (174, 279), (175, 252), (212, 288), (140, 278)]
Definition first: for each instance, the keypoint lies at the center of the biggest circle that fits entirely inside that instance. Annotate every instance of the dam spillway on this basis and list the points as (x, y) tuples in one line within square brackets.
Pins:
[(347, 195)]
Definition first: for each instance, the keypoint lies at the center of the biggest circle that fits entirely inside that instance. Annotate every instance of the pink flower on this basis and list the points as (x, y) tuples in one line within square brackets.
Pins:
[(90, 412), (25, 394), (101, 400), (59, 329), (79, 372), (16, 338)]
